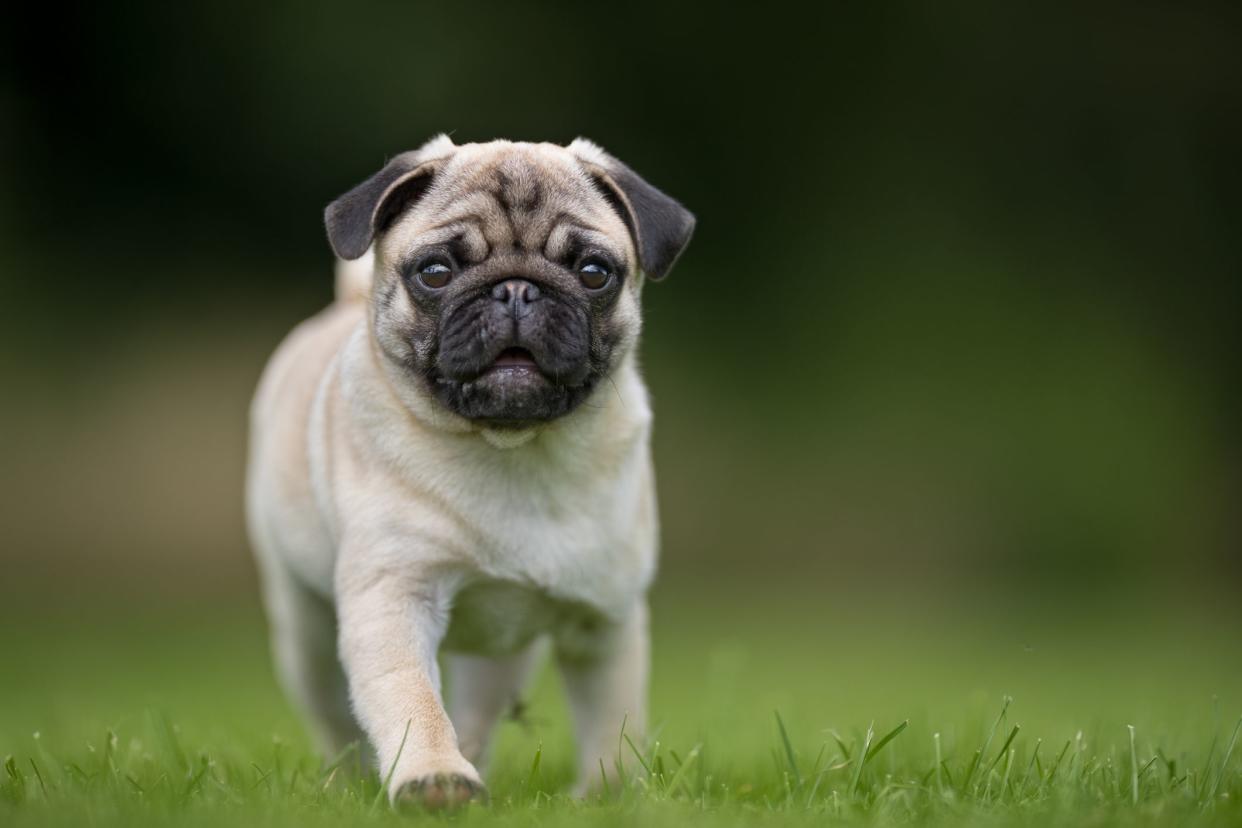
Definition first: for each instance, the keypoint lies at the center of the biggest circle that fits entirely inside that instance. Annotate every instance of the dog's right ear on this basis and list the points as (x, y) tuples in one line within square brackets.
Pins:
[(661, 227), (354, 219)]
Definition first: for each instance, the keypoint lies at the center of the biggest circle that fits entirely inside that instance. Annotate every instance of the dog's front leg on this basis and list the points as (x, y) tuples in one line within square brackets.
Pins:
[(393, 615), (605, 673)]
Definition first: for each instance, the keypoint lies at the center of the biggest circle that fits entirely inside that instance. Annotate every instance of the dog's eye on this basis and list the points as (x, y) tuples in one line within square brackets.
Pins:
[(594, 274), (435, 274)]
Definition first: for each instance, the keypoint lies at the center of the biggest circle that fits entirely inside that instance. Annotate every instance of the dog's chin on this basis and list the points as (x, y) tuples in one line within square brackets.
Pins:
[(511, 394)]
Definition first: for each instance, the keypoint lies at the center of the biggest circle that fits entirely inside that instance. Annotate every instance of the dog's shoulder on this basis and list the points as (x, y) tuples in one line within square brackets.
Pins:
[(296, 368), (283, 406)]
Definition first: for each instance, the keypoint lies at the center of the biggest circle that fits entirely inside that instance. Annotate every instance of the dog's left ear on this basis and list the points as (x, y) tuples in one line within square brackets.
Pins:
[(354, 219), (661, 227)]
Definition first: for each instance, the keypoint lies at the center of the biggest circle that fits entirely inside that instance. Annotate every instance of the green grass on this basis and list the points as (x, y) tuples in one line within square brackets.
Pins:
[(779, 712)]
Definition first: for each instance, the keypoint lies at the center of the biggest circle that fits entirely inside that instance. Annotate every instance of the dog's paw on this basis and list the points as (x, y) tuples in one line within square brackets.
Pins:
[(438, 792)]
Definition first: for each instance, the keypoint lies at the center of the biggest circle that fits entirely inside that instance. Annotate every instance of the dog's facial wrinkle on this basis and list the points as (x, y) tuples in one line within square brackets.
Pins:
[(512, 220)]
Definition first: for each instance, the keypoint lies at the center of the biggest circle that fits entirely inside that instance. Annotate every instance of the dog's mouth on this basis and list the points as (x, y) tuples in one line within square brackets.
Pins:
[(518, 387), (513, 359)]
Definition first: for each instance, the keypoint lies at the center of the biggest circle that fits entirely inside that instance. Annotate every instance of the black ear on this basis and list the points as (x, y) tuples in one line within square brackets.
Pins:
[(660, 225), (354, 219)]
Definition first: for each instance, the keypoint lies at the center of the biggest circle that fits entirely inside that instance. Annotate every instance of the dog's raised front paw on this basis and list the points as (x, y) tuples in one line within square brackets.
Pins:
[(438, 792)]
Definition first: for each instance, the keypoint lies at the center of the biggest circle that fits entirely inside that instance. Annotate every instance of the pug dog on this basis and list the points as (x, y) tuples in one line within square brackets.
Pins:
[(451, 463)]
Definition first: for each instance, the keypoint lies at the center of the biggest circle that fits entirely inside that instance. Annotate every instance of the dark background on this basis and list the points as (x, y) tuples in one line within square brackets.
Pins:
[(959, 317)]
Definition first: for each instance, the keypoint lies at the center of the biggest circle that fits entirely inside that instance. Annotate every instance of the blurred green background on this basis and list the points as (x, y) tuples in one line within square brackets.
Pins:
[(946, 389), (960, 314)]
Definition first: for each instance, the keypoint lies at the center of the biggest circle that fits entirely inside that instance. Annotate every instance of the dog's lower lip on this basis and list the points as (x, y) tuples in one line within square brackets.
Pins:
[(518, 359)]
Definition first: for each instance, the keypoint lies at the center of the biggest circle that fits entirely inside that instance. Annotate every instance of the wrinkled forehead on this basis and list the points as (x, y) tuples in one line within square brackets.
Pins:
[(532, 197)]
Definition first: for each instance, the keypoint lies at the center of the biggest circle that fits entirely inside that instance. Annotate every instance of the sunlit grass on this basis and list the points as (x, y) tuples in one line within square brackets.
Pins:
[(789, 716)]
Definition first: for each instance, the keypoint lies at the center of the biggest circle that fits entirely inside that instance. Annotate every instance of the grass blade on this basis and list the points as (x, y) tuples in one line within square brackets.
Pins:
[(534, 767), (987, 745), (939, 763), (43, 787), (844, 748), (888, 737), (1224, 763), (862, 753), (379, 796), (603, 777), (1057, 764), (789, 751), (638, 755), (677, 775), (1005, 779), (1030, 766), (1013, 733), (970, 770)]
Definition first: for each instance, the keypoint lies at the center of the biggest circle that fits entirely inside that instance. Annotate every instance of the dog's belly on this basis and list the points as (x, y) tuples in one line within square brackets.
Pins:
[(494, 617)]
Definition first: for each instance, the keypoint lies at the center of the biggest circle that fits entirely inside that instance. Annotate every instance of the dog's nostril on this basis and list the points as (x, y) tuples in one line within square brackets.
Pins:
[(515, 292)]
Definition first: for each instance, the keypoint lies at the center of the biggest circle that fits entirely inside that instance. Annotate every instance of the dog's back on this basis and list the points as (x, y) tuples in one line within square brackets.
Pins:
[(281, 515), (353, 278)]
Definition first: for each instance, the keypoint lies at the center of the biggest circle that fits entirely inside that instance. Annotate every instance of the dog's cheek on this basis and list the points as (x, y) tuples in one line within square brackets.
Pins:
[(423, 345), (614, 330), (466, 333), (423, 334), (406, 334), (563, 337)]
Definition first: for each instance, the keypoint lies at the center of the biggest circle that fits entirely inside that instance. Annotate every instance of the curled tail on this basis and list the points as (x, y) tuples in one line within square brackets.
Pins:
[(353, 278)]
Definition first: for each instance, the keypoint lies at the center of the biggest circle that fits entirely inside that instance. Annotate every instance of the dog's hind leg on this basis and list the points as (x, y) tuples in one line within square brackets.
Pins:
[(480, 690), (303, 640), (605, 675)]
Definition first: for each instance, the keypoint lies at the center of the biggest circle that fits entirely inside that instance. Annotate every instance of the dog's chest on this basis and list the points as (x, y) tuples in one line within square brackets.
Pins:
[(585, 544), (492, 617), (550, 539)]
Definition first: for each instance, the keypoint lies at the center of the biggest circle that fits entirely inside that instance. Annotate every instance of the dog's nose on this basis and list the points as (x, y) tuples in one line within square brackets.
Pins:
[(517, 294)]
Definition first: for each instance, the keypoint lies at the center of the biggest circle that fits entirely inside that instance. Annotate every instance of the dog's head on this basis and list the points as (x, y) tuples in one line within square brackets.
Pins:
[(508, 275)]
